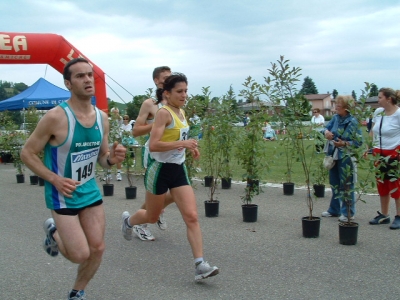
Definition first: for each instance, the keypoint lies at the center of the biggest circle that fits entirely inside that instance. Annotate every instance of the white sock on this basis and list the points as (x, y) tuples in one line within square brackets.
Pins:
[(198, 260), (119, 171), (127, 223)]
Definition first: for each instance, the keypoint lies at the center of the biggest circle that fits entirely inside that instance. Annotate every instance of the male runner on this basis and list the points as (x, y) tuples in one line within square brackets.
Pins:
[(72, 137), (143, 125)]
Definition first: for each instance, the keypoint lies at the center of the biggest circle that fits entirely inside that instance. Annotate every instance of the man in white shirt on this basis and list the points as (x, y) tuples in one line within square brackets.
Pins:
[(317, 124)]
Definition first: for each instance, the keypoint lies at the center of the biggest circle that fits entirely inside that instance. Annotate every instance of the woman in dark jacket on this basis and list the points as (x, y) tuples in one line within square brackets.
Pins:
[(342, 132)]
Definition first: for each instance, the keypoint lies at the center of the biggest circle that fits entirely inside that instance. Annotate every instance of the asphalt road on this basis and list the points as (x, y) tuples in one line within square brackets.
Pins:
[(268, 259)]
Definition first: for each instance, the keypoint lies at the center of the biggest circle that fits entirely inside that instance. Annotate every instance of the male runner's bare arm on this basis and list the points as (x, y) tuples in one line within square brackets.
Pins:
[(49, 127), (141, 127)]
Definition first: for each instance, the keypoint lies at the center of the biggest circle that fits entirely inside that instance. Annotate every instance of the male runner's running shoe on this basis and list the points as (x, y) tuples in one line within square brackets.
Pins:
[(143, 232), (203, 270), (161, 222), (49, 244), (126, 230), (80, 295)]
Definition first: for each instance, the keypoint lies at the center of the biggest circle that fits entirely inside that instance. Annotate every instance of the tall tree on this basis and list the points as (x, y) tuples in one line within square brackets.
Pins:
[(16, 89), (308, 87), (334, 93), (3, 94), (133, 107), (215, 100), (5, 84), (354, 95), (20, 87), (374, 90), (197, 104), (230, 97)]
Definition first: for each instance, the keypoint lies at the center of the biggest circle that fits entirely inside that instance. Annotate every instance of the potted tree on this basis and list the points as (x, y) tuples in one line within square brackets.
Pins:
[(211, 206), (192, 107), (288, 185), (251, 152), (129, 142), (16, 140), (113, 136), (225, 136), (282, 116), (319, 177), (209, 141), (130, 191), (211, 156), (12, 141), (348, 230), (31, 119), (7, 126), (280, 88)]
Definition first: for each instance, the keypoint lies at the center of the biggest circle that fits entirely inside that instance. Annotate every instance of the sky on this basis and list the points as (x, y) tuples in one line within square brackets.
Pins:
[(217, 43)]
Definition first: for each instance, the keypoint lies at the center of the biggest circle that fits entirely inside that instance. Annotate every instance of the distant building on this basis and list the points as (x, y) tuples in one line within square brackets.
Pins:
[(258, 105), (324, 102), (372, 101)]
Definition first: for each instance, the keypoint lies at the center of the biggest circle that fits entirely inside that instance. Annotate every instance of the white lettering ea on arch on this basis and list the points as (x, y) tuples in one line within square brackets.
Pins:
[(18, 42)]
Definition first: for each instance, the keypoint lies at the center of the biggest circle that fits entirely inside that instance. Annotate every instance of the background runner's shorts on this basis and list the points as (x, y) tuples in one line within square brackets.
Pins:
[(146, 157), (163, 176)]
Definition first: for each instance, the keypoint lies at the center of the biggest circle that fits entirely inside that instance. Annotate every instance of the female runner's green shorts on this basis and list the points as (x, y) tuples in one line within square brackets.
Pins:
[(160, 177)]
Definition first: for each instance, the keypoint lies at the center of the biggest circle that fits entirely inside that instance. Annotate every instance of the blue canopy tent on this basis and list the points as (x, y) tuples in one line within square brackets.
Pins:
[(42, 94)]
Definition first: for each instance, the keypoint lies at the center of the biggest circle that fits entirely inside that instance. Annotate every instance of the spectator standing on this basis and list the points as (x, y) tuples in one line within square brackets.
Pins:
[(246, 119), (386, 133), (340, 133), (318, 124), (126, 126)]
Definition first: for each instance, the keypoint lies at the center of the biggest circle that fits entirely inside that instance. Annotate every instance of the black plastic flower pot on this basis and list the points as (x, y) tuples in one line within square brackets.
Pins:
[(226, 183), (41, 181), (211, 208), (319, 190), (20, 178), (108, 189), (249, 212), (311, 227), (130, 192), (288, 188), (348, 233), (34, 179), (208, 180), (6, 157)]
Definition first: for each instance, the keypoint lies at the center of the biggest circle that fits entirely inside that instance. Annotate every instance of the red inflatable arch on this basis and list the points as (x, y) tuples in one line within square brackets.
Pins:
[(52, 49)]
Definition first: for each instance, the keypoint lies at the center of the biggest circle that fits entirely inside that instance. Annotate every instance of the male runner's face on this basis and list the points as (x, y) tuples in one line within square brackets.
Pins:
[(159, 81), (82, 81)]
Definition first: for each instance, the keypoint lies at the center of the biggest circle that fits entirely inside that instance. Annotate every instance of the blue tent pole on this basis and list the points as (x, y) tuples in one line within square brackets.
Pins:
[(23, 111)]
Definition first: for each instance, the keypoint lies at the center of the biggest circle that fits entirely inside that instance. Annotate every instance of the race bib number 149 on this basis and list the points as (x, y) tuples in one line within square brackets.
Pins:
[(83, 165)]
